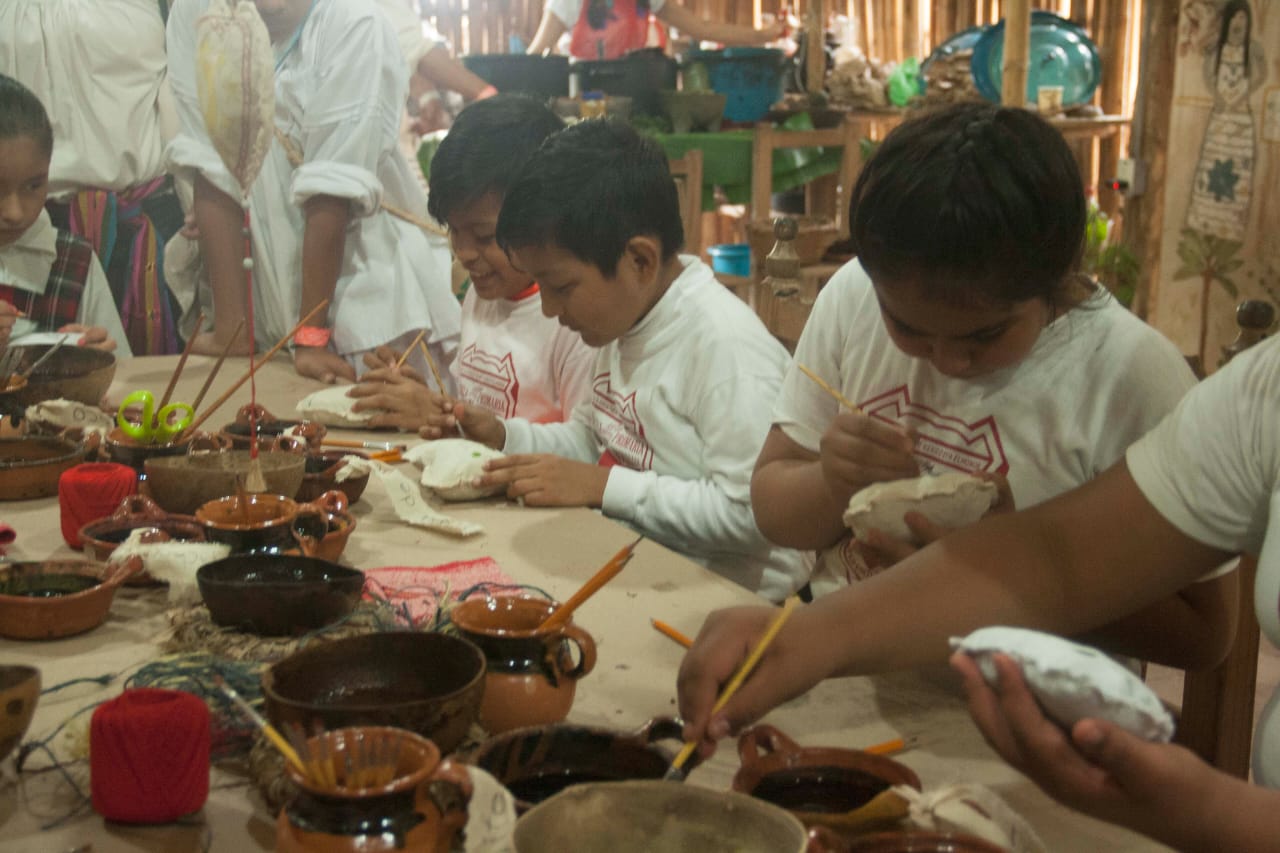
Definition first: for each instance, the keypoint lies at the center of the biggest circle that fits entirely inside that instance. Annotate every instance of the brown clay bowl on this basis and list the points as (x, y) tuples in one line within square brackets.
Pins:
[(647, 816), (322, 469), (19, 693), (268, 523), (341, 525), (118, 447), (72, 373), (45, 601), (103, 536), (427, 683), (30, 467), (918, 841), (182, 484), (275, 595), (821, 786), (539, 762)]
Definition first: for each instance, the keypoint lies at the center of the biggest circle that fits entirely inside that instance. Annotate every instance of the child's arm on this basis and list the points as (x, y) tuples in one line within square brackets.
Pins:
[(324, 240), (550, 29)]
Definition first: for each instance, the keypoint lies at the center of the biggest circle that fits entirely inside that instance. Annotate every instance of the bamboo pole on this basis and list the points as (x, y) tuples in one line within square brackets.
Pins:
[(1113, 40), (815, 61), (1017, 49)]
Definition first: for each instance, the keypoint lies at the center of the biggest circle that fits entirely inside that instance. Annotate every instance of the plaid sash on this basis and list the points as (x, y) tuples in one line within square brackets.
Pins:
[(59, 305)]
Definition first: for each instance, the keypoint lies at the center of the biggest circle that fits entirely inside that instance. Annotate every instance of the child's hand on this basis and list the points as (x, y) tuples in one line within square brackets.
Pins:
[(409, 404), (381, 358), (475, 424), (8, 316), (320, 363), (94, 337), (544, 480), (857, 451), (879, 549)]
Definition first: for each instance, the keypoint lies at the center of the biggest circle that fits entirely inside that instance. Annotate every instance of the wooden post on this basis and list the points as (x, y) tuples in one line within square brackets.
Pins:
[(815, 65), (1112, 36), (1017, 49)]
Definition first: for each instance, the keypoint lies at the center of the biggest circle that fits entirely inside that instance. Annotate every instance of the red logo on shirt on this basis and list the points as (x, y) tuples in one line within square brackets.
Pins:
[(618, 425), (943, 441), (488, 381)]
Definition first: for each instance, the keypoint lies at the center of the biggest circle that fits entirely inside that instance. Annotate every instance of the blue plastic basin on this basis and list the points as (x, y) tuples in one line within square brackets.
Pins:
[(750, 77), (731, 258)]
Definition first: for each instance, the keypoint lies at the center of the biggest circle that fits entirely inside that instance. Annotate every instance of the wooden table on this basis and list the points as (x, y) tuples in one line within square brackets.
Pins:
[(555, 549)]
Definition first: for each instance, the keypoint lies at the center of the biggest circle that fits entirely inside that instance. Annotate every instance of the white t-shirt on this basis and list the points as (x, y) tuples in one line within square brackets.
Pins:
[(1096, 379), (99, 69), (681, 402), (1212, 469), (339, 95), (516, 362), (25, 264), (569, 10)]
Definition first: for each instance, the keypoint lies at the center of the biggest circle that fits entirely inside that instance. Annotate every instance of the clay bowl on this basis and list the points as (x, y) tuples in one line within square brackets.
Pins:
[(182, 484), (275, 595), (19, 693), (321, 470), (341, 525), (427, 683), (641, 817), (539, 762), (821, 786), (103, 536), (72, 373), (918, 841), (30, 467), (262, 522), (45, 601), (238, 433), (118, 447)]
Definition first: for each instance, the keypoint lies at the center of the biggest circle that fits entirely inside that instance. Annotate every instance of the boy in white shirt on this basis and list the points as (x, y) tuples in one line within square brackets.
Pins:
[(685, 373), (512, 360)]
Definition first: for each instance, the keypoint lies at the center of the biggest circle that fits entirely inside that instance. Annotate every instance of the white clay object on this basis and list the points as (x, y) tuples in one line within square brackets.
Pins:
[(950, 500), (1072, 681), (332, 407), (451, 465)]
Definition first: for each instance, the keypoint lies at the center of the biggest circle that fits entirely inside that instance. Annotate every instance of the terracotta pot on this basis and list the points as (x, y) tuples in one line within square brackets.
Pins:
[(914, 841), (183, 483), (263, 523), (538, 762), (19, 693), (642, 817), (419, 811), (838, 788), (341, 526), (74, 373), (274, 595), (321, 471), (427, 683), (45, 601), (102, 537), (532, 677), (30, 467), (118, 447)]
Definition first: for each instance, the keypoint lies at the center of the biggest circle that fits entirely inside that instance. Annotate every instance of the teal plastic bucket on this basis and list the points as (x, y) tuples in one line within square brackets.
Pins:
[(750, 77), (731, 258)]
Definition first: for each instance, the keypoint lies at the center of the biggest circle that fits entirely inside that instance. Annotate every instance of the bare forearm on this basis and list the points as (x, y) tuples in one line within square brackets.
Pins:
[(1234, 815), (447, 73), (793, 505), (323, 247), (220, 220)]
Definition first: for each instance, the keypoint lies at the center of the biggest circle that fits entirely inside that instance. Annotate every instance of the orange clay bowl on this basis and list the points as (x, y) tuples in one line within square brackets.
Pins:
[(321, 471), (30, 467), (72, 373), (103, 536), (19, 693), (53, 599)]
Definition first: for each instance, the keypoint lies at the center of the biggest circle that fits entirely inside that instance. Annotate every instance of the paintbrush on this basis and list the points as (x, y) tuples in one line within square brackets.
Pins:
[(409, 349), (258, 720), (363, 445), (435, 371), (204, 389), (603, 576), (182, 362), (24, 375), (676, 772), (664, 628), (840, 398)]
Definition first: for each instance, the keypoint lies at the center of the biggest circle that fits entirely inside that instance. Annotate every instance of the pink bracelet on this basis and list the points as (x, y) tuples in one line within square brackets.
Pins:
[(312, 336)]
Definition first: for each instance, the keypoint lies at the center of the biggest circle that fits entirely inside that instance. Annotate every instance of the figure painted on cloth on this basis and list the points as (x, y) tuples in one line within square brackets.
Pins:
[(1234, 68)]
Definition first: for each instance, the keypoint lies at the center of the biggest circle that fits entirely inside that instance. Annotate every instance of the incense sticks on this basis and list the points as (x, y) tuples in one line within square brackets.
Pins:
[(204, 389), (182, 362)]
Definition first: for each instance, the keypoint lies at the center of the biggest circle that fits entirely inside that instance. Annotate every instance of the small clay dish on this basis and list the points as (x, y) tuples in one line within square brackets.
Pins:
[(275, 595), (182, 484), (74, 373), (118, 447), (52, 599), (261, 522), (321, 471), (19, 693), (103, 536), (341, 525), (30, 467), (538, 762), (428, 683), (821, 786)]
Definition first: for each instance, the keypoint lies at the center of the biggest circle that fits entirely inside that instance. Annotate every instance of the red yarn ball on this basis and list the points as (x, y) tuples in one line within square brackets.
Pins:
[(92, 491), (149, 755)]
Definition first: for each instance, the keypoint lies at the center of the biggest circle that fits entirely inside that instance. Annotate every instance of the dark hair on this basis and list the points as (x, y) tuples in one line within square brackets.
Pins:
[(976, 202), (588, 190), (1228, 12), (484, 150), (22, 114)]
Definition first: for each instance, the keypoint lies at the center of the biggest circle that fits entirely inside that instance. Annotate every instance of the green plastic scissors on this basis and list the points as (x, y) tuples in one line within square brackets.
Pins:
[(153, 427)]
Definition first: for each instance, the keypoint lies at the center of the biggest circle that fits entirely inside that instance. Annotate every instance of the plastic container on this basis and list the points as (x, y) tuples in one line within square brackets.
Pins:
[(641, 75), (541, 76), (731, 258), (751, 77)]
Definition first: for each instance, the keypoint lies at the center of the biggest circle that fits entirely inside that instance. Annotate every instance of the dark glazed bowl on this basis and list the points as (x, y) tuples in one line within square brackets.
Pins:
[(276, 595), (427, 683), (30, 467), (72, 373)]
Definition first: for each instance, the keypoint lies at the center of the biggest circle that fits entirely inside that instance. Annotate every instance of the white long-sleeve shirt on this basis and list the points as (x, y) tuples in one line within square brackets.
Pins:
[(682, 404)]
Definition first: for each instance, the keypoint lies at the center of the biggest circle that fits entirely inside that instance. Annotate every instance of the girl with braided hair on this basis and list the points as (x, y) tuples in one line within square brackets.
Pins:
[(969, 341)]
